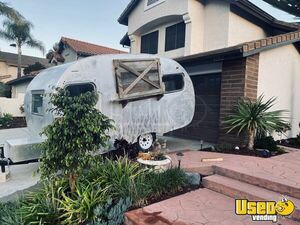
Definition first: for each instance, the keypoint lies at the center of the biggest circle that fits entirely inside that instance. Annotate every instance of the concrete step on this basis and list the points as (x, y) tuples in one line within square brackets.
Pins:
[(269, 183), (238, 189)]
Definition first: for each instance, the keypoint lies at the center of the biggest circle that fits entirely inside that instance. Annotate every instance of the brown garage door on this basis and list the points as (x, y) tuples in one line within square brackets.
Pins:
[(205, 124)]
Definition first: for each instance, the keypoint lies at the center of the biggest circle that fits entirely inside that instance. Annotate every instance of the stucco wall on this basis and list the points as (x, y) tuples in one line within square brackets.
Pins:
[(241, 30), (6, 69), (12, 105), (69, 55), (141, 16), (216, 24), (19, 89), (279, 71), (195, 29)]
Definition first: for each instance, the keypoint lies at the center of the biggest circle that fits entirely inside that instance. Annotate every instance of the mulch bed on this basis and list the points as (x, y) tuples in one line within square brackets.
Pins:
[(184, 190), (17, 122), (242, 151), (291, 142)]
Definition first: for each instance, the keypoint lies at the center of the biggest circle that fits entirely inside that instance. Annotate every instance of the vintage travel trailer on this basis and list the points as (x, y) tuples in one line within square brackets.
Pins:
[(143, 94)]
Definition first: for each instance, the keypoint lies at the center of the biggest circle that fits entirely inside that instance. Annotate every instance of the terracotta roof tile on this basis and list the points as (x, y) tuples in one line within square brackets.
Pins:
[(88, 48), (274, 40)]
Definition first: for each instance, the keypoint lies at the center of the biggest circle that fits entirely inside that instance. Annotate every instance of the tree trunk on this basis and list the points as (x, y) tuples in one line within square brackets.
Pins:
[(19, 60), (72, 182), (251, 140)]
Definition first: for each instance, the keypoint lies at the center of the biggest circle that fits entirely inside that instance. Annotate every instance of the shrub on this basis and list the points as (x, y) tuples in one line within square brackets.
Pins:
[(266, 143), (124, 178), (111, 213), (9, 214), (224, 147), (80, 131), (167, 182), (78, 208), (33, 67), (42, 206), (6, 120), (5, 90), (255, 117)]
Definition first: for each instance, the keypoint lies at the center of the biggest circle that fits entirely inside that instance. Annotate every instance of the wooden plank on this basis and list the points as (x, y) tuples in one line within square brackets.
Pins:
[(134, 83), (136, 73), (118, 78)]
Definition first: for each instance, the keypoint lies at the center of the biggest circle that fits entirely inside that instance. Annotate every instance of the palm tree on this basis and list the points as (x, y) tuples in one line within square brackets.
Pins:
[(20, 33), (254, 117), (9, 12)]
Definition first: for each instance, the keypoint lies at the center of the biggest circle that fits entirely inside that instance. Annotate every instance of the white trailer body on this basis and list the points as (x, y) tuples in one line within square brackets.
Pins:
[(161, 109)]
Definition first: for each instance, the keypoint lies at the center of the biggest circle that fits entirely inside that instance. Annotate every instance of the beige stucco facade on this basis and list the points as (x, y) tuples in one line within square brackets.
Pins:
[(209, 26), (279, 71), (8, 70)]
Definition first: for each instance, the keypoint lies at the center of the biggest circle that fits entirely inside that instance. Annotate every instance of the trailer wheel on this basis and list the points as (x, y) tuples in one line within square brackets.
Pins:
[(145, 141)]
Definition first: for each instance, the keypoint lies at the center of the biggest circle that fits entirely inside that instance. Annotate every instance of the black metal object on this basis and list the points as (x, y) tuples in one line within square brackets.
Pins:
[(2, 159), (6, 161)]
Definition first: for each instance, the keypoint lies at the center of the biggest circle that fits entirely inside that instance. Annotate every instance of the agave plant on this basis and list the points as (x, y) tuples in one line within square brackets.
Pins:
[(255, 117)]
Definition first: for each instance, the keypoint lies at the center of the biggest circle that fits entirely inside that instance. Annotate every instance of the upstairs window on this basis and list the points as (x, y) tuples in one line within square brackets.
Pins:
[(78, 89), (37, 103), (151, 3), (175, 36), (173, 82), (149, 43)]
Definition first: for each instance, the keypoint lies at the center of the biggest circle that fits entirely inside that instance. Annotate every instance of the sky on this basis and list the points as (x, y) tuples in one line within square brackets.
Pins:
[(93, 21)]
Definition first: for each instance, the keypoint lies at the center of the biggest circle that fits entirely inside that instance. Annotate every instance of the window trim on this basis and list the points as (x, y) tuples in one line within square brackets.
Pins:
[(80, 83), (147, 7), (37, 92), (166, 39), (169, 74)]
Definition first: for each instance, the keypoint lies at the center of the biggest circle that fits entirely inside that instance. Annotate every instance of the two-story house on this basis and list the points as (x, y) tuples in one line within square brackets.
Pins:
[(231, 49), (69, 50)]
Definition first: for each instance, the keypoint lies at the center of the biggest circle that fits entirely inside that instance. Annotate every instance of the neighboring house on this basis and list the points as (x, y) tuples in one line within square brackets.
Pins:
[(9, 65), (231, 50), (70, 50)]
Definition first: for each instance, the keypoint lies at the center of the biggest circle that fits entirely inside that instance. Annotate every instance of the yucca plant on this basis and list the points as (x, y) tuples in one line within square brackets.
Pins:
[(255, 117)]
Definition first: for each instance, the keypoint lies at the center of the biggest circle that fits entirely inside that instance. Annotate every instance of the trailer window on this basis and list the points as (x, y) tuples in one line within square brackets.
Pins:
[(37, 102), (173, 82), (138, 78), (78, 89)]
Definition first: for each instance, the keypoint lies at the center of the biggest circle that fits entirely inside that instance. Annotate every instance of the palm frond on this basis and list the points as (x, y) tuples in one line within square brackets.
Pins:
[(255, 116), (9, 12), (36, 44)]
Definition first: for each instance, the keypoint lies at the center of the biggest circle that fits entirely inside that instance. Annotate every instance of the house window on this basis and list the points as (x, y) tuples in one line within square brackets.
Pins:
[(151, 3), (173, 82), (37, 102), (149, 43), (78, 89), (175, 36)]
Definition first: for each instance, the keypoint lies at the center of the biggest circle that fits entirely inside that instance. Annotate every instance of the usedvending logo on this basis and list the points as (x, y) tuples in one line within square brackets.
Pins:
[(264, 210)]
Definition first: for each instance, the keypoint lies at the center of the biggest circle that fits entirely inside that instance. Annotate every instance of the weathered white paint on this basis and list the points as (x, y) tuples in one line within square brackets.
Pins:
[(12, 105), (138, 117), (242, 30), (279, 71)]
